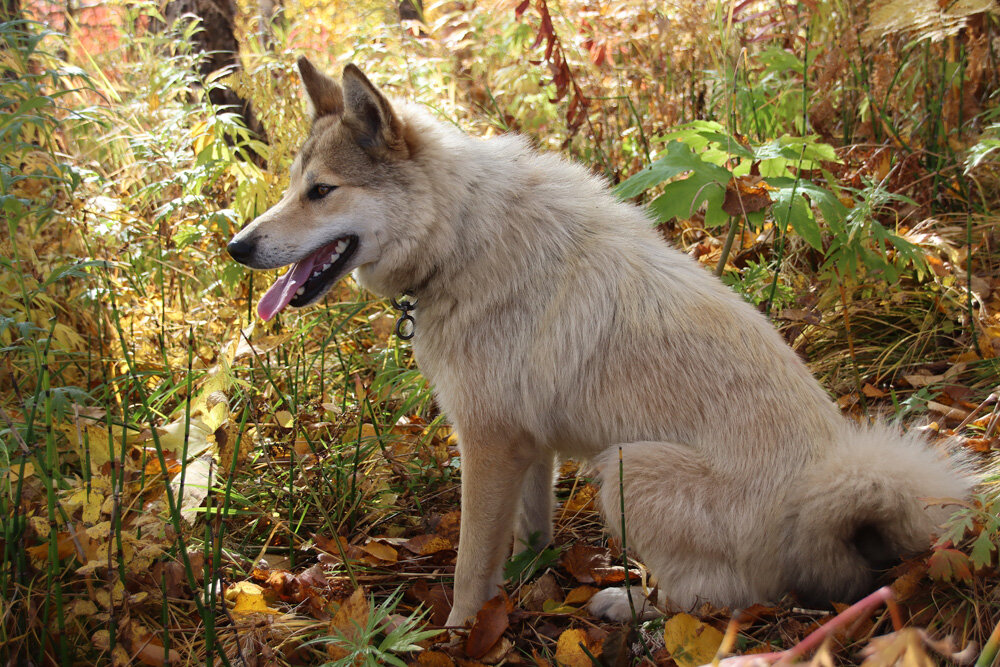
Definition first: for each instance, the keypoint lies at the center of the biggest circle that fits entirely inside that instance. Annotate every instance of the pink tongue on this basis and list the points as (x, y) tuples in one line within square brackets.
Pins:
[(284, 288)]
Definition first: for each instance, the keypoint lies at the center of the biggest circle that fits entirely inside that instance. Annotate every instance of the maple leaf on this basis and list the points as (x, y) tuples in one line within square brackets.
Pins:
[(948, 565)]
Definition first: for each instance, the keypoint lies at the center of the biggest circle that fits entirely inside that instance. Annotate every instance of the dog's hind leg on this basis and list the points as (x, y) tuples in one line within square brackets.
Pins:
[(681, 518), (493, 473), (534, 515)]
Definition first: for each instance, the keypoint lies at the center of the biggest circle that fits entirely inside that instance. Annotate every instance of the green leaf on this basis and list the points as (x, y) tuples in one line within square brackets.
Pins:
[(791, 207), (982, 550), (830, 207), (676, 159), (681, 199)]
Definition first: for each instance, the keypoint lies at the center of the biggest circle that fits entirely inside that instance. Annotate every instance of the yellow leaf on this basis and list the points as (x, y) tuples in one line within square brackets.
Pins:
[(172, 437), (382, 552), (569, 648), (284, 418), (201, 136), (15, 471), (580, 595), (689, 641), (248, 598)]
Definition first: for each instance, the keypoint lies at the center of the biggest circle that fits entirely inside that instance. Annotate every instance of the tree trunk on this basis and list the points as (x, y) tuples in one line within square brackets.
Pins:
[(217, 40)]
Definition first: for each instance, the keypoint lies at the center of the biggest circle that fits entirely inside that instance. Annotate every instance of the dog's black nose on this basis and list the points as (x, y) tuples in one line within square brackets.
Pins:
[(241, 250)]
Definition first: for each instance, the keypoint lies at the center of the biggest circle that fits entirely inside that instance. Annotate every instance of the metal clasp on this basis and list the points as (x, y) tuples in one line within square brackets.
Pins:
[(405, 324)]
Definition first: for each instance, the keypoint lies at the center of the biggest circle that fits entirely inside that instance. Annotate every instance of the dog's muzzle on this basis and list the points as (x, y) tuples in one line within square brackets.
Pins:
[(241, 250)]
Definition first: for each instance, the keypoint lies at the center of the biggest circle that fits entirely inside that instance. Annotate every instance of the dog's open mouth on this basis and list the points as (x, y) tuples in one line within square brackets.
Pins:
[(308, 278)]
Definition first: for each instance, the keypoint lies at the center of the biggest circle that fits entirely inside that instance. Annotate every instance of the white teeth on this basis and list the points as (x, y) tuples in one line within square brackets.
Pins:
[(326, 266), (341, 247), (316, 273), (300, 291)]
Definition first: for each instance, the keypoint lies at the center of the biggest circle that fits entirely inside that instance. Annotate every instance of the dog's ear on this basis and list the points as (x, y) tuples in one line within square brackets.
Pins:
[(377, 127), (324, 94)]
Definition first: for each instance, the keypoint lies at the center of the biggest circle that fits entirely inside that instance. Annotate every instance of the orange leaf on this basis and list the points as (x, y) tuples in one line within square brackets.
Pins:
[(425, 545)]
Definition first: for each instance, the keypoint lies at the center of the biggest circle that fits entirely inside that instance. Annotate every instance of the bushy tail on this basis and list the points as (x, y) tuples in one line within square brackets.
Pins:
[(869, 502)]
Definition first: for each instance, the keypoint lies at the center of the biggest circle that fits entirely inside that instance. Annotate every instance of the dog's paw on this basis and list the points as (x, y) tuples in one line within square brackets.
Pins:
[(612, 604)]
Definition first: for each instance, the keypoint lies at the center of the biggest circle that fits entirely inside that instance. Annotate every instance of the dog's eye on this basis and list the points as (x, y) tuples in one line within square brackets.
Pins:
[(320, 190)]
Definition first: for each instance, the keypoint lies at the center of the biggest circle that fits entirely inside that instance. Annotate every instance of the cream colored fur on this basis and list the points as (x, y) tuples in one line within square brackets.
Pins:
[(554, 321)]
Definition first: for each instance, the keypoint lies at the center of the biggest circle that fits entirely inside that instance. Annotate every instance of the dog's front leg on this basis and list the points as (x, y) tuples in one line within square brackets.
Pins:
[(493, 472)]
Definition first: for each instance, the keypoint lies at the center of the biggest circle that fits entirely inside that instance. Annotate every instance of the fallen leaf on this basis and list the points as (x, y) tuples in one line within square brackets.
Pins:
[(348, 621), (197, 478), (948, 411), (381, 552), (582, 500), (448, 527), (872, 391), (248, 598), (570, 649), (284, 418), (580, 595), (435, 597), (949, 564), (426, 545), (433, 659), (542, 590), (581, 560), (489, 626), (690, 641), (150, 652), (916, 381)]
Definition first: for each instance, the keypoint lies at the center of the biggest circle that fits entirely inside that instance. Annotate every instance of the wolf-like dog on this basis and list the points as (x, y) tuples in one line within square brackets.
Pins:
[(553, 321)]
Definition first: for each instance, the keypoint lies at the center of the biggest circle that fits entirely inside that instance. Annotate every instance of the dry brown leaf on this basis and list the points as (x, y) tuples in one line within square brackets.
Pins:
[(746, 194), (489, 626), (448, 527), (150, 652), (433, 659), (348, 621), (542, 590), (435, 597), (581, 560), (872, 391)]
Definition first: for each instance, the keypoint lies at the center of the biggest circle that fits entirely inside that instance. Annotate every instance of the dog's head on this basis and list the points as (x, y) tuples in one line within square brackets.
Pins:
[(331, 219)]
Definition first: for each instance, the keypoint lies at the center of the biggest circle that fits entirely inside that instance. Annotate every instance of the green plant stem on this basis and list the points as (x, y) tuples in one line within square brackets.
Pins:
[(990, 649), (727, 246)]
